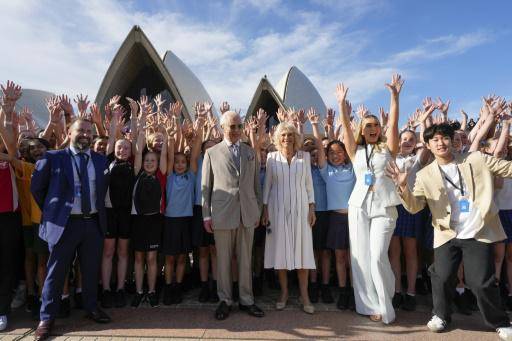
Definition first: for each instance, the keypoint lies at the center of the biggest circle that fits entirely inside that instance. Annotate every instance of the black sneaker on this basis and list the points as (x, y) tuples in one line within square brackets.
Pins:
[(471, 299), (351, 299), (257, 286), (235, 293), (462, 304), (214, 297), (397, 300), (409, 303), (313, 292), (107, 299), (31, 303), (120, 299), (326, 294), (168, 295), (65, 308), (153, 299), (204, 294), (421, 286), (130, 287), (343, 299), (79, 302), (137, 299)]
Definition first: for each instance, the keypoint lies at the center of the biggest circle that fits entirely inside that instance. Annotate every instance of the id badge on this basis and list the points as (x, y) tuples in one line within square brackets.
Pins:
[(368, 179), (464, 205), (78, 191)]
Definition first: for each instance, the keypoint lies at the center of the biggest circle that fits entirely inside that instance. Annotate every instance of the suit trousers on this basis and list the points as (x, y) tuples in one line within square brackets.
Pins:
[(478, 259), (237, 240), (10, 235), (85, 236), (370, 230)]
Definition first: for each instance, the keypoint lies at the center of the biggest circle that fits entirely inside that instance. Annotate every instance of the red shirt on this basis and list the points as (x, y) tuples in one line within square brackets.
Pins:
[(8, 194)]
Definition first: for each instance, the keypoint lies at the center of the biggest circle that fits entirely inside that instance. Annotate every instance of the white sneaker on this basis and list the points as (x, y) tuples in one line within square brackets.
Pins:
[(19, 297), (3, 322), (436, 324), (505, 333)]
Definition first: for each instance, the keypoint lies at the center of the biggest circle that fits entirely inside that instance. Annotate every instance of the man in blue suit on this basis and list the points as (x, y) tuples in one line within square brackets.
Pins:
[(69, 186)]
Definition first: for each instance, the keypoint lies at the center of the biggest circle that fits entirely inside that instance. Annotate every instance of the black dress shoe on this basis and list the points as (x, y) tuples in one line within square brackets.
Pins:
[(98, 316), (222, 311), (252, 310), (43, 330)]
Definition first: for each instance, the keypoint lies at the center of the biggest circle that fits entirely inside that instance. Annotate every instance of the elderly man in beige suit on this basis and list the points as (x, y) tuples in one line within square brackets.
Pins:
[(458, 188), (231, 210)]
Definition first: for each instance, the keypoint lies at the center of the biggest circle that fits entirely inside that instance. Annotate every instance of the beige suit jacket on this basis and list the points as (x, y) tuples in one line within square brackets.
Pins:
[(230, 197), (478, 171)]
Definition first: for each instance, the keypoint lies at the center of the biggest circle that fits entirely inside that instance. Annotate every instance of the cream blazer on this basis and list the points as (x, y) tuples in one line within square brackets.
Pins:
[(478, 171)]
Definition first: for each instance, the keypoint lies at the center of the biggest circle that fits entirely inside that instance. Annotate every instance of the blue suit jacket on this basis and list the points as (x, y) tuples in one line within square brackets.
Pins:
[(53, 190)]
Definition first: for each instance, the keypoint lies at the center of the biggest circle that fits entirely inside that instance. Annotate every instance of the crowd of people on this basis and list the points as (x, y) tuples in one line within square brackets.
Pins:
[(135, 203)]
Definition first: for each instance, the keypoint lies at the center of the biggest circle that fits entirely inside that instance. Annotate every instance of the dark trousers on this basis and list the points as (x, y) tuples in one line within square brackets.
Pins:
[(83, 235), (10, 234), (478, 258)]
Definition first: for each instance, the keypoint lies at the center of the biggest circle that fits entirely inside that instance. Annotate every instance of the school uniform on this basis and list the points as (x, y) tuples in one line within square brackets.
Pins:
[(322, 214), (117, 200), (340, 181), (178, 214), (147, 207)]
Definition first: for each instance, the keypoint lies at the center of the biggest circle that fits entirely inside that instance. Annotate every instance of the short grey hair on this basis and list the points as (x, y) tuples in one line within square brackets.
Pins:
[(228, 116)]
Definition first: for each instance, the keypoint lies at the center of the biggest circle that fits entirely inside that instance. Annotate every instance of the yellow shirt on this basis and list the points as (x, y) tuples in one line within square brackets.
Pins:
[(30, 212)]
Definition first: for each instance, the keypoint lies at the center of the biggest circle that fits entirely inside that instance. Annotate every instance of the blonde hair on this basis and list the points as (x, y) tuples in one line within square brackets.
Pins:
[(359, 138), (286, 127), (152, 137)]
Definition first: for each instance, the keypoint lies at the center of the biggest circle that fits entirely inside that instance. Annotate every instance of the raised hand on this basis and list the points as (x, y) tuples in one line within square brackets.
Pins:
[(11, 92), (175, 109), (134, 107), (362, 111), (159, 102), (301, 116), (396, 84), (443, 106), (224, 106), (113, 101), (65, 104), (262, 116), (82, 103), (54, 106), (341, 93), (384, 116), (313, 116), (398, 177), (95, 113), (282, 116)]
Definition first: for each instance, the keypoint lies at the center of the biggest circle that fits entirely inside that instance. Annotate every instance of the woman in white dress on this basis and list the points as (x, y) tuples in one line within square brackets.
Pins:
[(289, 212), (372, 210)]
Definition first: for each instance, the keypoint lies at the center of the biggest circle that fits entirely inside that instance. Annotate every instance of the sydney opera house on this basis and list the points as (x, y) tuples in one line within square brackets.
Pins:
[(138, 69)]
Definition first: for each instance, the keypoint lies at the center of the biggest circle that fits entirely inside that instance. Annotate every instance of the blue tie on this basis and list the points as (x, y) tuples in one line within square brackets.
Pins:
[(84, 184), (236, 155)]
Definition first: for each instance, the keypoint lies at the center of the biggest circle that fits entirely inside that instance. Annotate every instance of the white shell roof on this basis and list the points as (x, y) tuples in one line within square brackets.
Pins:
[(298, 92), (189, 86), (35, 101)]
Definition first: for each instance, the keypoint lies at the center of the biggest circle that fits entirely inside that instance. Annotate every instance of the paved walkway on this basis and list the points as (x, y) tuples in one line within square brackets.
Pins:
[(193, 321)]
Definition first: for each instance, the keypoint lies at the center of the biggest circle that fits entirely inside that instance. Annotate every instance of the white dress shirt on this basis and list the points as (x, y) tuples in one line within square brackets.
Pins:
[(77, 203)]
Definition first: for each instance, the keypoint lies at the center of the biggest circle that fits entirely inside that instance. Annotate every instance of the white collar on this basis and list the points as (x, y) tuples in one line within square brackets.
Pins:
[(237, 143)]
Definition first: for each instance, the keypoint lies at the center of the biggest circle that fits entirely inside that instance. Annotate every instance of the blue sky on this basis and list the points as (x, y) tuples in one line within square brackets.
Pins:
[(458, 50)]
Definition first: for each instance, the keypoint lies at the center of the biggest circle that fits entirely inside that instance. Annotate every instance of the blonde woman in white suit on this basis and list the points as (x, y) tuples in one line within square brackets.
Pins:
[(372, 210), (289, 212)]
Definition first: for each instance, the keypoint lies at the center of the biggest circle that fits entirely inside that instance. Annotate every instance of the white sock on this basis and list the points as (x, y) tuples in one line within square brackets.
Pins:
[(64, 296), (78, 290), (411, 294), (460, 290)]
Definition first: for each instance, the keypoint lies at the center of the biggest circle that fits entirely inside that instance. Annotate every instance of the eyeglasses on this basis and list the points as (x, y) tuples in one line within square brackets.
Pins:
[(236, 126)]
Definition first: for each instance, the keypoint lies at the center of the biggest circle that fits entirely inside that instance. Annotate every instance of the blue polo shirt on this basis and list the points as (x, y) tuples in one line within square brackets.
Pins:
[(197, 191), (180, 194), (339, 181), (319, 189)]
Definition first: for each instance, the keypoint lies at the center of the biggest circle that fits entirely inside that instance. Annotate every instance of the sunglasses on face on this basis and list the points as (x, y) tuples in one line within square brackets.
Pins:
[(236, 126)]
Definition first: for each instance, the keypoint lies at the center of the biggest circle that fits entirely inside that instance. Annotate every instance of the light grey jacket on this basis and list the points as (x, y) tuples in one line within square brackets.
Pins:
[(230, 197)]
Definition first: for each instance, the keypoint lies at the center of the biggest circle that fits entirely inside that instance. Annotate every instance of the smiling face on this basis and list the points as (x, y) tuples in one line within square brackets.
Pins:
[(287, 138), (232, 127), (407, 142), (371, 129), (314, 157), (441, 146), (36, 150), (180, 163), (100, 146), (150, 163), (336, 155), (80, 134), (157, 142), (457, 142), (122, 149)]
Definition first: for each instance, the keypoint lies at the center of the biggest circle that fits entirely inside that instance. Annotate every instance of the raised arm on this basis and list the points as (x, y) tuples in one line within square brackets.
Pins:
[(139, 147), (394, 109), (345, 109), (198, 141), (501, 146), (163, 155), (313, 120)]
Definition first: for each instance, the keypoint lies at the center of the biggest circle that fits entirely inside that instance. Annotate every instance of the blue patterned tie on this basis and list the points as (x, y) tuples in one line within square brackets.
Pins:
[(84, 184), (236, 155)]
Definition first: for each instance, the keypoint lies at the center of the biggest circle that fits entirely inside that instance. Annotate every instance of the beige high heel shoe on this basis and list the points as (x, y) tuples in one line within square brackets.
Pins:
[(307, 308)]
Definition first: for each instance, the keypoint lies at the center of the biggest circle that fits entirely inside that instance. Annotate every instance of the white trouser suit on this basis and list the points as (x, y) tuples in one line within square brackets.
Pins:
[(372, 217)]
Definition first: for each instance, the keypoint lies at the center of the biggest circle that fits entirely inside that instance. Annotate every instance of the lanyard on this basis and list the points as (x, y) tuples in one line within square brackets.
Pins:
[(76, 164), (461, 188), (368, 157)]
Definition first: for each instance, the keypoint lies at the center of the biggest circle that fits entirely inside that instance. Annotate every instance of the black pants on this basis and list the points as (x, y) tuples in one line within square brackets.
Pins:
[(478, 258), (10, 234)]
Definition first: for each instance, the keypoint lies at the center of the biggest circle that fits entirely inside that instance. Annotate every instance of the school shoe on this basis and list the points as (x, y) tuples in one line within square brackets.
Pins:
[(436, 324), (471, 299), (421, 286), (119, 299), (326, 294), (214, 296), (397, 300), (204, 294), (168, 295), (313, 292), (107, 299), (505, 333), (351, 299), (137, 299), (508, 303), (31, 303), (79, 302), (3, 322), (64, 308), (178, 293), (409, 303), (19, 296), (153, 299), (343, 299), (462, 304)]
